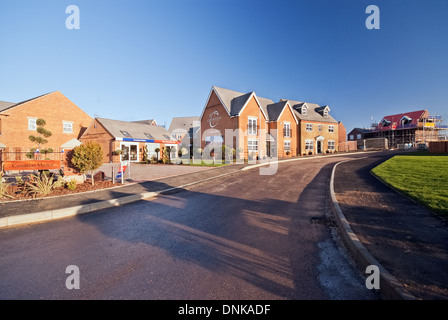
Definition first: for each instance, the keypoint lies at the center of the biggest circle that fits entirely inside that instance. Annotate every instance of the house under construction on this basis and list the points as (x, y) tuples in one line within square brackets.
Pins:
[(409, 128)]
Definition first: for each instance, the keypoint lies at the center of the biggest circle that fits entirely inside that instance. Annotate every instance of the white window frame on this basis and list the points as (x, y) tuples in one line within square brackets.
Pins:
[(319, 127), (331, 145), (32, 124), (304, 110), (309, 145), (129, 144), (252, 124), (287, 129), (309, 127), (331, 128), (287, 145), (64, 123), (252, 145)]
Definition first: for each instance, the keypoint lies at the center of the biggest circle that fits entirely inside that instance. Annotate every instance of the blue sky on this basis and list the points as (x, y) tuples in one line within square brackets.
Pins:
[(136, 59)]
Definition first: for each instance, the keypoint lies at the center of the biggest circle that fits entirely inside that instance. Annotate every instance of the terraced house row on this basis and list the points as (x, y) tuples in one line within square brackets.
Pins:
[(266, 128)]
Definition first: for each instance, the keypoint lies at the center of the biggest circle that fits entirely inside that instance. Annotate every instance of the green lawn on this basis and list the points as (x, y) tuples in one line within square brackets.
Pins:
[(205, 164), (421, 177)]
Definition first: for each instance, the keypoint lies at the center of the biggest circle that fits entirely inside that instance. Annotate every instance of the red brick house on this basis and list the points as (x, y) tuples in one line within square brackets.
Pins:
[(131, 138), (63, 118), (267, 128)]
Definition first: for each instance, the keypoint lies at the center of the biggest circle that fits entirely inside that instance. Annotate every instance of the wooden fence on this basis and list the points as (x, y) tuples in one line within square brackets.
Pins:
[(22, 154), (438, 146), (347, 146)]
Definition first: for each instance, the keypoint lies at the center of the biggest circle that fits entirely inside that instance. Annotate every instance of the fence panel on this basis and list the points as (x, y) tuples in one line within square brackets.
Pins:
[(347, 146), (21, 154), (438, 146)]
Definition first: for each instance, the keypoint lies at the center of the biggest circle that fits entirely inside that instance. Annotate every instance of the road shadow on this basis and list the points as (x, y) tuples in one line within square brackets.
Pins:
[(269, 243)]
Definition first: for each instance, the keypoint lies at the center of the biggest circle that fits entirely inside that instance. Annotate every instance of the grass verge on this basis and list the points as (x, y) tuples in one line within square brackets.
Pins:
[(421, 177), (205, 164)]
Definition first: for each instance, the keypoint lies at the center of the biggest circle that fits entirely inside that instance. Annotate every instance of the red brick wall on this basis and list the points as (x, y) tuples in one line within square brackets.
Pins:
[(342, 132), (97, 133), (287, 116), (225, 122), (54, 108), (252, 110)]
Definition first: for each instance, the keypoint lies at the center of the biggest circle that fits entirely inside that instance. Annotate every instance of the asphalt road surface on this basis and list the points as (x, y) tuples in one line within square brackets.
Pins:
[(244, 236)]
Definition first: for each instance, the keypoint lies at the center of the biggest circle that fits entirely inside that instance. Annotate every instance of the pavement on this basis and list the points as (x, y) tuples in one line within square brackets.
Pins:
[(409, 242), (380, 226)]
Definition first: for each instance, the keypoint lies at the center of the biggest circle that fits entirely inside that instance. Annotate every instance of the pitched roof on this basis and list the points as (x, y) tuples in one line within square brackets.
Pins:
[(149, 121), (362, 130), (414, 115), (135, 130), (187, 123), (71, 144), (264, 105), (227, 96), (313, 112), (275, 109), (5, 105), (234, 101)]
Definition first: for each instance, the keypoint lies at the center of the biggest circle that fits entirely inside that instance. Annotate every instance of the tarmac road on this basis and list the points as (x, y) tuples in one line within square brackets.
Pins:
[(242, 236)]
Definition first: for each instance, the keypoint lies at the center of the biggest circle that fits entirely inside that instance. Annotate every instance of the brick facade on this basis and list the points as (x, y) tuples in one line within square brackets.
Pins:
[(97, 133), (55, 109), (320, 134), (239, 108), (100, 131)]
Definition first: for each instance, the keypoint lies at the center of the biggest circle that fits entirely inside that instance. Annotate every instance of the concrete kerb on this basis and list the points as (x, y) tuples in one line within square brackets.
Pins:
[(390, 287), (89, 208)]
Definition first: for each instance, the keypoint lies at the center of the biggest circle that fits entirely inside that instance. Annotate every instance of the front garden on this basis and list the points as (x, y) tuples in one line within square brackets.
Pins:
[(421, 176), (83, 159)]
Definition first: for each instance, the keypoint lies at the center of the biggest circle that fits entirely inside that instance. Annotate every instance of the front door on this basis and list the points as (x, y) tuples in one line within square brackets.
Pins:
[(133, 154), (319, 146)]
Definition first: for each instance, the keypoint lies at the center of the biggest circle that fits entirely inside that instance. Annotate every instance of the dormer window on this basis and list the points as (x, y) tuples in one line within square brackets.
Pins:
[(385, 123), (406, 120), (326, 111), (304, 110)]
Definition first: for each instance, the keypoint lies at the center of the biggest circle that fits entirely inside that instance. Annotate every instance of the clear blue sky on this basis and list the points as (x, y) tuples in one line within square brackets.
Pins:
[(135, 60)]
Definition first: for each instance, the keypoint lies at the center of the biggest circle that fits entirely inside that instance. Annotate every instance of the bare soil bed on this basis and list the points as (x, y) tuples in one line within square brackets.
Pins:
[(19, 194)]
